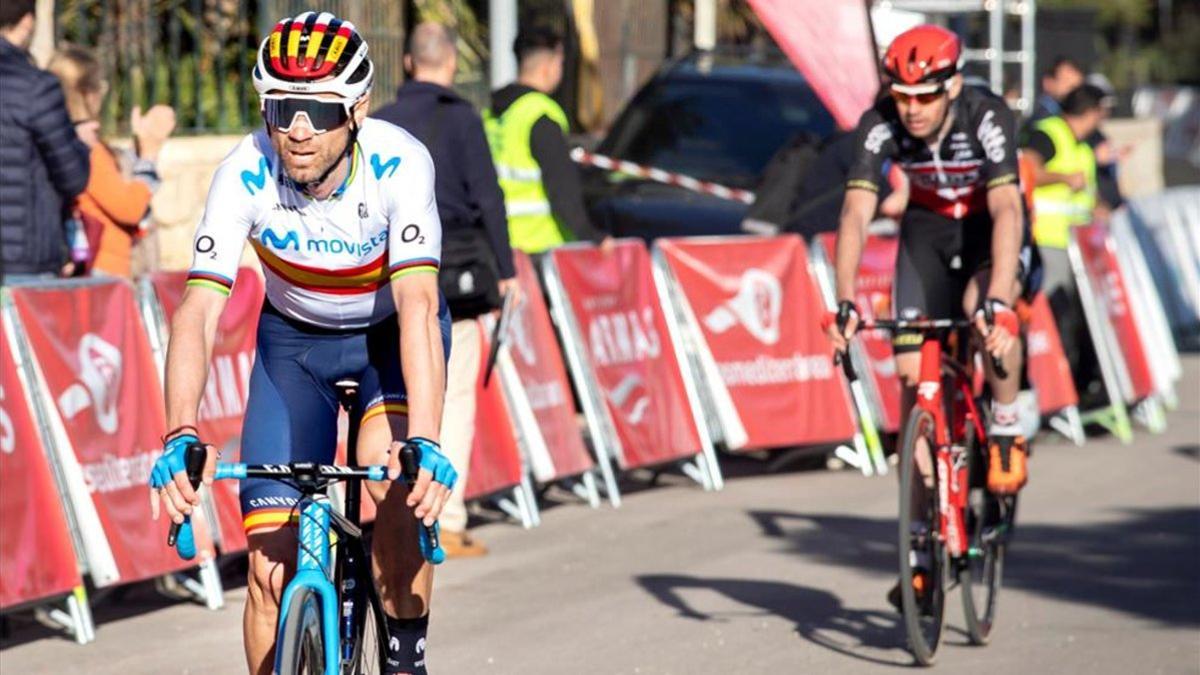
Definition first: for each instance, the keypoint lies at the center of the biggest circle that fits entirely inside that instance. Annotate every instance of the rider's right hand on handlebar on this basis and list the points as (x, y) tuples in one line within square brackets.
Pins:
[(169, 481), (843, 325)]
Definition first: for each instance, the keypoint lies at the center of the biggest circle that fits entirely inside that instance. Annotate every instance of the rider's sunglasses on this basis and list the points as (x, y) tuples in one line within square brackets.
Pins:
[(924, 98), (281, 112)]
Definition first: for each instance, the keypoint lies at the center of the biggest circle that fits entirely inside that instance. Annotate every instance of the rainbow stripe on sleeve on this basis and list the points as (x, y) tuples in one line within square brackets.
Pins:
[(403, 269), (217, 282)]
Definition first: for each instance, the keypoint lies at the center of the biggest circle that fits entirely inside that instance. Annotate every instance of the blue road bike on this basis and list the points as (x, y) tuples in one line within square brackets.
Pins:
[(331, 618)]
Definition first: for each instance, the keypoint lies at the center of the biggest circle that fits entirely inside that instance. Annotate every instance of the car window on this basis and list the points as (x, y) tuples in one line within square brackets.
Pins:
[(717, 131)]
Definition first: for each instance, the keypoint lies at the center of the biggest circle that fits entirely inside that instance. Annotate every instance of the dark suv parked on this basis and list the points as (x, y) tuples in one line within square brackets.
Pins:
[(716, 116)]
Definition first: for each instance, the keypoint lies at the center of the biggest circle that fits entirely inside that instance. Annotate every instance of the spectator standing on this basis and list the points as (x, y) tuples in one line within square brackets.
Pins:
[(112, 208), (1065, 196), (527, 129), (1062, 77), (43, 163), (477, 263)]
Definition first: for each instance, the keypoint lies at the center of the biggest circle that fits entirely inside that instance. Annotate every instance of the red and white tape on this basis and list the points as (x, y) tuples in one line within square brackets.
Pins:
[(582, 156)]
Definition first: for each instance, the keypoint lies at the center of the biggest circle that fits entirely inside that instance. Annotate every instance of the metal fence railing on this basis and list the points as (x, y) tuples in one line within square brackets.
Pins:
[(194, 55), (197, 55)]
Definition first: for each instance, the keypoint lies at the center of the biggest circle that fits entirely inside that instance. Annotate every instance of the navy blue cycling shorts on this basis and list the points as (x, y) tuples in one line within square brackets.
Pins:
[(292, 411)]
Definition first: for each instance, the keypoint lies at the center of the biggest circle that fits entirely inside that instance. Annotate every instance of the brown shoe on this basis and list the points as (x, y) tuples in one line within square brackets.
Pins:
[(461, 545)]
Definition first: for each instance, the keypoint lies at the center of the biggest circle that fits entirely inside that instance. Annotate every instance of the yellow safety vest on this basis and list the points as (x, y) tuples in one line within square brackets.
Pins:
[(1056, 207), (532, 226)]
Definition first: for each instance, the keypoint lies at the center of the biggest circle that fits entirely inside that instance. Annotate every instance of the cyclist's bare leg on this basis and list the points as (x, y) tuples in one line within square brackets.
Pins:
[(908, 369), (1003, 391), (404, 579), (272, 561)]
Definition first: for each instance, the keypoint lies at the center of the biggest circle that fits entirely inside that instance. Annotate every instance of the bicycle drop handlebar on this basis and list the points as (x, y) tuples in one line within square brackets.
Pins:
[(921, 326), (307, 476)]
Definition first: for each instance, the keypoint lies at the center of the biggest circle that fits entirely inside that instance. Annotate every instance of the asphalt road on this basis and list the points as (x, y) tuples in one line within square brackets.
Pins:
[(781, 572)]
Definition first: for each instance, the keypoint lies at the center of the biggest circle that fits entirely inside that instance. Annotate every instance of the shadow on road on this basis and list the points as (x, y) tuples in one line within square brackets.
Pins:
[(1143, 564), (820, 618)]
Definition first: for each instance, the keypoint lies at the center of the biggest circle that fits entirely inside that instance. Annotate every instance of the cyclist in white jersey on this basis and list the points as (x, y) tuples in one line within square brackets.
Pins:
[(340, 210)]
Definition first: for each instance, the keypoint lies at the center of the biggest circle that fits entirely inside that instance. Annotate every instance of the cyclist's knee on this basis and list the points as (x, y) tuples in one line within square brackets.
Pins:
[(908, 368), (272, 560)]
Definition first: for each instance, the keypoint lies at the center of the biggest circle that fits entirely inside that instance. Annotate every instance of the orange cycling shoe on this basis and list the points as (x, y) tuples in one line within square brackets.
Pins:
[(1007, 472)]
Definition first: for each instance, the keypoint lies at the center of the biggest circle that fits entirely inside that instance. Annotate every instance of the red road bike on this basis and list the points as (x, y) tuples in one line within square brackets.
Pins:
[(950, 524)]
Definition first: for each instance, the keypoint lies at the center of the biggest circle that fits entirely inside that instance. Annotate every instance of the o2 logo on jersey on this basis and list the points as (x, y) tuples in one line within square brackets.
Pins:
[(412, 233)]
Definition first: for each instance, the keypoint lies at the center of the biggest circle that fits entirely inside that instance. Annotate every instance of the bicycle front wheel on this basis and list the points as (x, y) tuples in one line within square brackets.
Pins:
[(922, 558), (301, 644)]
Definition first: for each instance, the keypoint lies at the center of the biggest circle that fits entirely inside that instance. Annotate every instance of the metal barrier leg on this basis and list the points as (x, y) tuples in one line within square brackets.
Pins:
[(1068, 423), (1150, 414), (585, 488), (531, 503)]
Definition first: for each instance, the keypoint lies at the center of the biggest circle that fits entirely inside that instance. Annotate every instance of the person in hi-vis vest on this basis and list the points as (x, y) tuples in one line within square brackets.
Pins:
[(526, 130), (1065, 197)]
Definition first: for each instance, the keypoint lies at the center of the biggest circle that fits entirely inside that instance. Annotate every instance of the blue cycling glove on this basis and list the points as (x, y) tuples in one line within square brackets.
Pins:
[(170, 463), (430, 457)]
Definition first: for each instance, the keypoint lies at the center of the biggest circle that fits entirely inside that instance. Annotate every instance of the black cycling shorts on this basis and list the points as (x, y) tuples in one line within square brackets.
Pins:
[(938, 256)]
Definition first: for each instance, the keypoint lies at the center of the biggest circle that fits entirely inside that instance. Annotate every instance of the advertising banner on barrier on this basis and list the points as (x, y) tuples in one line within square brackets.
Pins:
[(629, 349), (495, 455), (1100, 260), (876, 271), (36, 555), (1047, 365), (228, 385), (100, 371), (539, 363), (761, 322)]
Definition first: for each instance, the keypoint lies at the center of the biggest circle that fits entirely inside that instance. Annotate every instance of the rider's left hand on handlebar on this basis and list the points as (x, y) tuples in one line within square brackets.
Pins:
[(435, 478), (842, 325), (1001, 337), (169, 482)]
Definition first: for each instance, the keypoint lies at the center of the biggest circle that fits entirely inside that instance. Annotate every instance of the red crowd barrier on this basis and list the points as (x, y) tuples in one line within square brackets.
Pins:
[(539, 364), (495, 456), (755, 303), (876, 272), (100, 371), (1047, 365), (627, 345), (36, 556), (1104, 273), (223, 405)]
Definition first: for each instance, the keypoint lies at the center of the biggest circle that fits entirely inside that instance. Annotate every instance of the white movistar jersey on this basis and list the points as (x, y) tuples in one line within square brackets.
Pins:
[(326, 262)]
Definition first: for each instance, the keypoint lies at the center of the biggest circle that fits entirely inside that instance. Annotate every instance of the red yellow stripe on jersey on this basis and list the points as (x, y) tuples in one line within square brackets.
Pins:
[(211, 280), (396, 408), (261, 520), (366, 278), (403, 269)]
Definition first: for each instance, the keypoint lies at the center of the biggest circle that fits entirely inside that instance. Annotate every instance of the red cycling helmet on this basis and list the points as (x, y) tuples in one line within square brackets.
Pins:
[(920, 60)]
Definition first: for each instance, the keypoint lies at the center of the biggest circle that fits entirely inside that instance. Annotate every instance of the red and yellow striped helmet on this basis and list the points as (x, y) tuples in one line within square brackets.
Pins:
[(314, 53)]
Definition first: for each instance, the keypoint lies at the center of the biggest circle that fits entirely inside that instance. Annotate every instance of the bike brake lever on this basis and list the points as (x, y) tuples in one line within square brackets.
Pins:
[(194, 458)]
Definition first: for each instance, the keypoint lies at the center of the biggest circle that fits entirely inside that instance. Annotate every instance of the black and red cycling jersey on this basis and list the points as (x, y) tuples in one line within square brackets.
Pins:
[(952, 177)]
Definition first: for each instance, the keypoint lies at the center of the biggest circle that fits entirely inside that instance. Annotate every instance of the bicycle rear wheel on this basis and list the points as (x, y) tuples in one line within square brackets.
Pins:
[(983, 568), (302, 645), (919, 541)]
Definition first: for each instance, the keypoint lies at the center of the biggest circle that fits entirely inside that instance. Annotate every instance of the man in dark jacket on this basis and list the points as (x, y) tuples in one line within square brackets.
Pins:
[(43, 164), (468, 199)]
